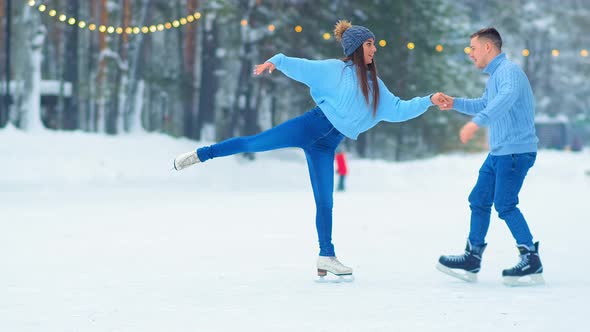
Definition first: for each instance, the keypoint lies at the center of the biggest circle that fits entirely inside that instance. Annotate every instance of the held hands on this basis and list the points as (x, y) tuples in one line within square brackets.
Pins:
[(259, 69), (443, 101)]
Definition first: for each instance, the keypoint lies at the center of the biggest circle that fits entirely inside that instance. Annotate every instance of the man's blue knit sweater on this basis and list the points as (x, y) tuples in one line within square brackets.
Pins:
[(335, 89), (507, 107)]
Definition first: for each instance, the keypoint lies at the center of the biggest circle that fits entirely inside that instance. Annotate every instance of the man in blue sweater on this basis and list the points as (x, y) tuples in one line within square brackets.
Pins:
[(507, 108)]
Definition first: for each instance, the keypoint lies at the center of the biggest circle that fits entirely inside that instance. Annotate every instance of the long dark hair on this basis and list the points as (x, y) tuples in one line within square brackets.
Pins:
[(358, 59)]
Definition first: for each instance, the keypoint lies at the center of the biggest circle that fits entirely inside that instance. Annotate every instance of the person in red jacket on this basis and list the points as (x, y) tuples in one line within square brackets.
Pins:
[(341, 169)]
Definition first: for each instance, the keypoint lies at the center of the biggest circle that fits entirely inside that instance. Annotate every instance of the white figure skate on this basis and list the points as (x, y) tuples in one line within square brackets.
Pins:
[(185, 160), (339, 272)]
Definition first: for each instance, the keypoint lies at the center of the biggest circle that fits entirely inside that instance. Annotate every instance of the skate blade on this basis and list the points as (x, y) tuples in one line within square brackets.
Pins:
[(530, 280), (458, 273), (334, 279)]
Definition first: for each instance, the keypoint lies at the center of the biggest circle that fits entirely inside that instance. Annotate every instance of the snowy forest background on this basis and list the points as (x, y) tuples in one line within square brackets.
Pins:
[(194, 78)]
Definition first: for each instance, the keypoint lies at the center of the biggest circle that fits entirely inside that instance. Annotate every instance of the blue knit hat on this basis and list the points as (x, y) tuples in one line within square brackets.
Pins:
[(351, 36)]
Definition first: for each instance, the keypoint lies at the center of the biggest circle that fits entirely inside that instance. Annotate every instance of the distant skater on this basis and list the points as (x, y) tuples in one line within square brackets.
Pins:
[(342, 170)]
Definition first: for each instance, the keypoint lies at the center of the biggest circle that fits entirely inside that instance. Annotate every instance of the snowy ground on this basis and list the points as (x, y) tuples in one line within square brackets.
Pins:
[(98, 234)]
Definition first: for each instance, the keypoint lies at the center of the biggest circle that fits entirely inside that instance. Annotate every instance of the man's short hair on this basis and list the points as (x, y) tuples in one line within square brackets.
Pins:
[(490, 33)]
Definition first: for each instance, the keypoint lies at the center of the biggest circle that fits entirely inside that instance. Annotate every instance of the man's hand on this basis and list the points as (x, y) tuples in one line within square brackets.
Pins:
[(259, 69), (443, 101), (467, 132)]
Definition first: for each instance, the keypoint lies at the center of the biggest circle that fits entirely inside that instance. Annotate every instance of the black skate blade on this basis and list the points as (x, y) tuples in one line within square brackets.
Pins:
[(528, 280), (457, 273)]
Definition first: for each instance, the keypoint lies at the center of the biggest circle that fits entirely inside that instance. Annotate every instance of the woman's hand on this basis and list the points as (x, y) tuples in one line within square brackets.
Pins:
[(259, 69)]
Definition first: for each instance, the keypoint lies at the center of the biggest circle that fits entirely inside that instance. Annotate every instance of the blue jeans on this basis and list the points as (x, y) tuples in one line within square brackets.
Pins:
[(318, 138), (499, 182)]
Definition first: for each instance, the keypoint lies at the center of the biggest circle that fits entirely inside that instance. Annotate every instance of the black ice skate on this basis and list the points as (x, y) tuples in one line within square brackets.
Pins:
[(528, 272), (464, 267)]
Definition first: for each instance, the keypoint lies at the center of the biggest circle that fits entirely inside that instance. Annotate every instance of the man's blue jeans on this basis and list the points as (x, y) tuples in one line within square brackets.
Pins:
[(318, 138), (499, 182)]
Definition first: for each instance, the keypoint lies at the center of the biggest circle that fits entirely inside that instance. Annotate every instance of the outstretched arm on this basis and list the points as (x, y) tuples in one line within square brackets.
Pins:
[(471, 106), (394, 109), (313, 73)]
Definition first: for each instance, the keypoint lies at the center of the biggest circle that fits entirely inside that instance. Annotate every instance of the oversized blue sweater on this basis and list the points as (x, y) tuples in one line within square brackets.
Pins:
[(334, 87), (507, 107)]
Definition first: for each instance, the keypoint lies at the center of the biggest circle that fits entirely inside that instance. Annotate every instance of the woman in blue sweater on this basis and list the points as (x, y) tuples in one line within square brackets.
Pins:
[(350, 99)]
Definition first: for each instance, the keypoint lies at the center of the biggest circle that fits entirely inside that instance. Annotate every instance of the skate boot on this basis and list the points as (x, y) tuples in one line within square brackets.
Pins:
[(185, 160), (340, 272), (464, 267), (529, 271)]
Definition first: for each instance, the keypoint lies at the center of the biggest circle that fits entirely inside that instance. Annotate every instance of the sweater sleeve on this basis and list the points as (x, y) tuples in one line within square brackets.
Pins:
[(508, 88), (313, 73), (471, 106), (393, 109)]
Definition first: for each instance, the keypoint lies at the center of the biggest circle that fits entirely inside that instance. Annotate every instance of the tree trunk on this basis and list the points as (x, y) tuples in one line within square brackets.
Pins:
[(242, 112), (70, 74), (209, 80), (123, 73), (187, 47), (133, 96)]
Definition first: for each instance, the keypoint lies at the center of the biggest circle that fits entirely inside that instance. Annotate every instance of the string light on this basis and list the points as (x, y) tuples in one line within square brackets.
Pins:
[(118, 29), (197, 15)]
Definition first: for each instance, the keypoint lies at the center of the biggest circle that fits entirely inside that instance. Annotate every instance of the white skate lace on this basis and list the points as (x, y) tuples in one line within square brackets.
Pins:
[(456, 258), (524, 261)]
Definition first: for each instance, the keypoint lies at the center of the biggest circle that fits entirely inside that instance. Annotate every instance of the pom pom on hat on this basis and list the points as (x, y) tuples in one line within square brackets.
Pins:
[(351, 36)]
